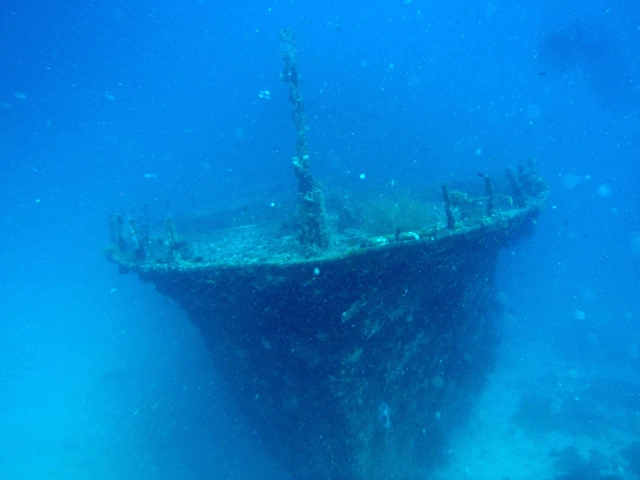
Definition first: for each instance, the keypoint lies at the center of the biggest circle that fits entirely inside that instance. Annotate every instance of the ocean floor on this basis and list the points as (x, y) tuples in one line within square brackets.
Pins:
[(541, 417), (132, 394)]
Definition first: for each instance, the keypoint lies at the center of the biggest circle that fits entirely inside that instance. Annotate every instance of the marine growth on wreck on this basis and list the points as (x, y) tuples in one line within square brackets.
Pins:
[(352, 329)]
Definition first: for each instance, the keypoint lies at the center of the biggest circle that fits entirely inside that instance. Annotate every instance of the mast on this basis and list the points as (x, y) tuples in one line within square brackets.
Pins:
[(311, 211)]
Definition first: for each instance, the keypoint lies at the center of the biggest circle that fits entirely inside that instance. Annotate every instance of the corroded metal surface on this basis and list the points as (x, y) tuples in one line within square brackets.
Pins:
[(353, 363)]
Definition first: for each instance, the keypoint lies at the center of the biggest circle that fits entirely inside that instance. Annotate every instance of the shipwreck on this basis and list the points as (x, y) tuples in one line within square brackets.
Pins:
[(353, 331)]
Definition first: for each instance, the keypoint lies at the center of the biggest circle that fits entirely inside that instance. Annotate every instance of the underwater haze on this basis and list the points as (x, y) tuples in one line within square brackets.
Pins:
[(108, 105)]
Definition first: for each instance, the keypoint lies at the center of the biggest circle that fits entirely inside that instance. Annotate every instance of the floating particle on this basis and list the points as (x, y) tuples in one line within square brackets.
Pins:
[(479, 151), (559, 268), (533, 111), (570, 181), (437, 382), (362, 176), (634, 240), (503, 298), (579, 315), (604, 191)]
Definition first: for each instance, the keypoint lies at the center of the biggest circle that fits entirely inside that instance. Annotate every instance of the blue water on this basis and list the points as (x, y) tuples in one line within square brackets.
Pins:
[(105, 105)]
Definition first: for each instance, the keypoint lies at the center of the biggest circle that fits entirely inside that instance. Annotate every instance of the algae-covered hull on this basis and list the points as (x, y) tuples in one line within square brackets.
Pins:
[(353, 365)]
